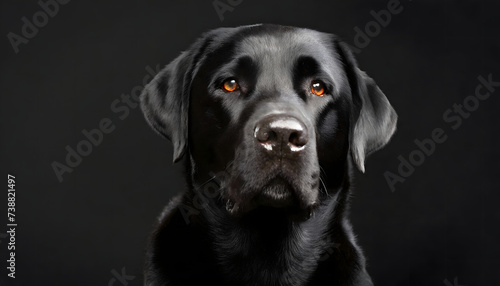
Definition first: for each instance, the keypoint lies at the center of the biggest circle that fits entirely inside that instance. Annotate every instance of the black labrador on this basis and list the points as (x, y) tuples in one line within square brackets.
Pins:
[(268, 121)]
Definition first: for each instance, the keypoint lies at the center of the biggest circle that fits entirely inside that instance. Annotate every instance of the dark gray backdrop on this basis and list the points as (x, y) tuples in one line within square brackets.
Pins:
[(438, 227)]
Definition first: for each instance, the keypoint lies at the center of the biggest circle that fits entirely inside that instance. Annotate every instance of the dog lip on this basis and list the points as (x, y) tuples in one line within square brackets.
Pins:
[(276, 193)]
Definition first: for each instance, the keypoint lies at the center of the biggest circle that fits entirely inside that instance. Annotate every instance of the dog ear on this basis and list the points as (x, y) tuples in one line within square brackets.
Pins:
[(164, 102), (376, 122)]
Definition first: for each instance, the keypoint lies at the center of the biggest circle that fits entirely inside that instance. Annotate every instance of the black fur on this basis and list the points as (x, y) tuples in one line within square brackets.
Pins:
[(263, 211)]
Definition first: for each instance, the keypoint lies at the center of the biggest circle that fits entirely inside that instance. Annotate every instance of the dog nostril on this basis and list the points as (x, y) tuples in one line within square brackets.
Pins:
[(264, 134), (297, 138)]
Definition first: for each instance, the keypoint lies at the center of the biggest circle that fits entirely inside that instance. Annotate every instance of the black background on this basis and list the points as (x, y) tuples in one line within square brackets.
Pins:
[(442, 223)]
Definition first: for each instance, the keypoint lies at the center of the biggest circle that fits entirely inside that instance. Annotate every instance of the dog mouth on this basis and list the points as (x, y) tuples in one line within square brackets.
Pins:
[(277, 193)]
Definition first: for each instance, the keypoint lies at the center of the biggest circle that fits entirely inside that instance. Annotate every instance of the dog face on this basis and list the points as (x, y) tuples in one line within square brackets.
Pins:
[(280, 112)]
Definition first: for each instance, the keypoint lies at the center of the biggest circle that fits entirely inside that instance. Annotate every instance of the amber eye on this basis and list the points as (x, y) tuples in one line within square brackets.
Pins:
[(230, 85), (318, 88)]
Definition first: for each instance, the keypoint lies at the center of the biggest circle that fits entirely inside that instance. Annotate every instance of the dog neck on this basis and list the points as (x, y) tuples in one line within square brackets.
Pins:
[(269, 245), (287, 250)]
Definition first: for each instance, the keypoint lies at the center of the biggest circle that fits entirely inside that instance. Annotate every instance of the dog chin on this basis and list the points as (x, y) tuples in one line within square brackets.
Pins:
[(277, 193), (277, 196)]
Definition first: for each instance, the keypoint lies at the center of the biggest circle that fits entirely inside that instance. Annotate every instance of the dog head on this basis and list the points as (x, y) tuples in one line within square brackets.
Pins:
[(281, 112)]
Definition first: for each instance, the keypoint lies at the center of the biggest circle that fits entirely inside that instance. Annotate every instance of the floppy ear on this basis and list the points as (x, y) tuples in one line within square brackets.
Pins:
[(164, 102), (376, 122)]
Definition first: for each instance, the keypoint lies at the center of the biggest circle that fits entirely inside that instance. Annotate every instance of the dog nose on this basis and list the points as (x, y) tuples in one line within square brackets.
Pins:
[(281, 130)]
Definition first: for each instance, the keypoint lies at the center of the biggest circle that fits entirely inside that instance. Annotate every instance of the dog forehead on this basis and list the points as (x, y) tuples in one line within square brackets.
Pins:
[(277, 53), (278, 48)]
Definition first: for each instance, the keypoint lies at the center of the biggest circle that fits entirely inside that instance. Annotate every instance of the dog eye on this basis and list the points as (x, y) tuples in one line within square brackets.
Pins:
[(230, 85), (318, 87)]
